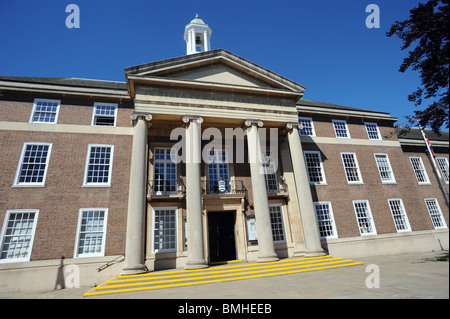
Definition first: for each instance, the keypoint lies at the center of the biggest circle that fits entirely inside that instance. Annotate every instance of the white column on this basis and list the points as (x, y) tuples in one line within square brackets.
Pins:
[(194, 227), (305, 202), (189, 43), (260, 201), (205, 41), (134, 250), (193, 42)]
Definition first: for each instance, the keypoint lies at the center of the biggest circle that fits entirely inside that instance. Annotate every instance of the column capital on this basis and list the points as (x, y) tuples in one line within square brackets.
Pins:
[(251, 122), (294, 126), (140, 116), (190, 118)]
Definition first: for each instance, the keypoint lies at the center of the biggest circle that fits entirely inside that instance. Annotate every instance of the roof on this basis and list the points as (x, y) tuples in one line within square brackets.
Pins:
[(76, 82), (309, 103), (413, 133), (197, 20)]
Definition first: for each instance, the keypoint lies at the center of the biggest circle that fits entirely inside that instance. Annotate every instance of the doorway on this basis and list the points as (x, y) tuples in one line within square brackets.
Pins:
[(222, 244)]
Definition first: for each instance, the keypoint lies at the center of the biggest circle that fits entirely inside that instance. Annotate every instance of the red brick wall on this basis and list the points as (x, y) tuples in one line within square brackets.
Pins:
[(63, 195)]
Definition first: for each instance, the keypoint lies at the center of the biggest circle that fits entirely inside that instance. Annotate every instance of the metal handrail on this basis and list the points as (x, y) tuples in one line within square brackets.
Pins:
[(109, 263)]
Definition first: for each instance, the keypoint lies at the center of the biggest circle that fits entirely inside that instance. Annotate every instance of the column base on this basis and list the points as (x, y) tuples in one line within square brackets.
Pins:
[(134, 270), (267, 259), (314, 253), (196, 265)]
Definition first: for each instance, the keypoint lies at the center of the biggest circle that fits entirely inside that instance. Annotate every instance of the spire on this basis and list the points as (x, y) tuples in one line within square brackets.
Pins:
[(197, 35)]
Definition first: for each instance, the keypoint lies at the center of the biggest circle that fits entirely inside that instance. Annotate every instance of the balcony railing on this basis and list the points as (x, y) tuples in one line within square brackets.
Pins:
[(177, 188), (222, 186), (166, 188)]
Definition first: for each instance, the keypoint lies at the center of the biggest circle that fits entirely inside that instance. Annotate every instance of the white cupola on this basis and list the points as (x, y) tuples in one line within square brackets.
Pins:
[(197, 35)]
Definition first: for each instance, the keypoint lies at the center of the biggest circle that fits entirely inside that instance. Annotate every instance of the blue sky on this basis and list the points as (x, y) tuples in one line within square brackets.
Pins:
[(323, 45)]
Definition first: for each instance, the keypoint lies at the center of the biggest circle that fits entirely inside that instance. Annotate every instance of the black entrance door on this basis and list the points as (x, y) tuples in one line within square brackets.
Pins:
[(221, 236)]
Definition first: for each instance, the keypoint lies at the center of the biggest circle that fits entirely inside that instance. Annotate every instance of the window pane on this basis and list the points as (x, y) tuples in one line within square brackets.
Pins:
[(419, 169), (99, 165), (340, 128), (164, 232), (45, 111), (325, 220), (363, 217), (399, 215), (33, 165), (18, 235), (351, 168), (91, 234), (314, 167), (277, 223), (435, 213)]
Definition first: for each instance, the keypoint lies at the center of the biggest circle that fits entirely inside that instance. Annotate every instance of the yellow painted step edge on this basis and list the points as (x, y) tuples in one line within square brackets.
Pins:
[(219, 280), (224, 267), (258, 266), (218, 276)]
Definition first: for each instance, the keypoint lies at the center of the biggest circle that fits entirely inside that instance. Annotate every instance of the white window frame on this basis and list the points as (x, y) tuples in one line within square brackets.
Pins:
[(377, 131), (391, 172), (86, 168), (94, 115), (403, 214), (270, 172), (346, 128), (77, 238), (360, 181), (3, 234), (438, 213), (422, 169), (172, 160), (443, 166), (331, 220), (310, 121), (369, 217), (155, 251), (17, 182), (214, 163), (33, 111), (283, 226), (322, 171)]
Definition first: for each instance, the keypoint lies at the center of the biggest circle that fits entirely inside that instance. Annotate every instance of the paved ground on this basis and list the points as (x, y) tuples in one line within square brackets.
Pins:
[(401, 276)]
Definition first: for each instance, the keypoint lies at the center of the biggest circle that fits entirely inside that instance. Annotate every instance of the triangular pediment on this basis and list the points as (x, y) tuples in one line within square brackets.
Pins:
[(215, 67)]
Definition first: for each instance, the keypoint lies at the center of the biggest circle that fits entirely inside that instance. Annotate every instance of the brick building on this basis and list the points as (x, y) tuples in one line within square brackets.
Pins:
[(161, 171)]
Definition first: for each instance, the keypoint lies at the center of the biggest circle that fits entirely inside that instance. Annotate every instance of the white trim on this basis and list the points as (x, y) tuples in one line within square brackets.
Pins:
[(104, 104), (77, 237), (440, 167), (156, 251), (408, 226), (378, 131), (33, 231), (346, 128), (282, 223), (312, 125), (369, 214), (108, 184), (440, 212), (427, 179), (333, 224), (357, 167), (322, 171), (19, 166), (44, 100), (392, 181)]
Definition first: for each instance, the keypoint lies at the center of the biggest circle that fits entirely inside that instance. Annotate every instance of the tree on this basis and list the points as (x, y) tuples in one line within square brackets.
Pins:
[(427, 29)]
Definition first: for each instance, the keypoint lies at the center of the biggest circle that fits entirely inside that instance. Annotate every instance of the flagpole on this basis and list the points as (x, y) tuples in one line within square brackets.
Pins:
[(433, 161)]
